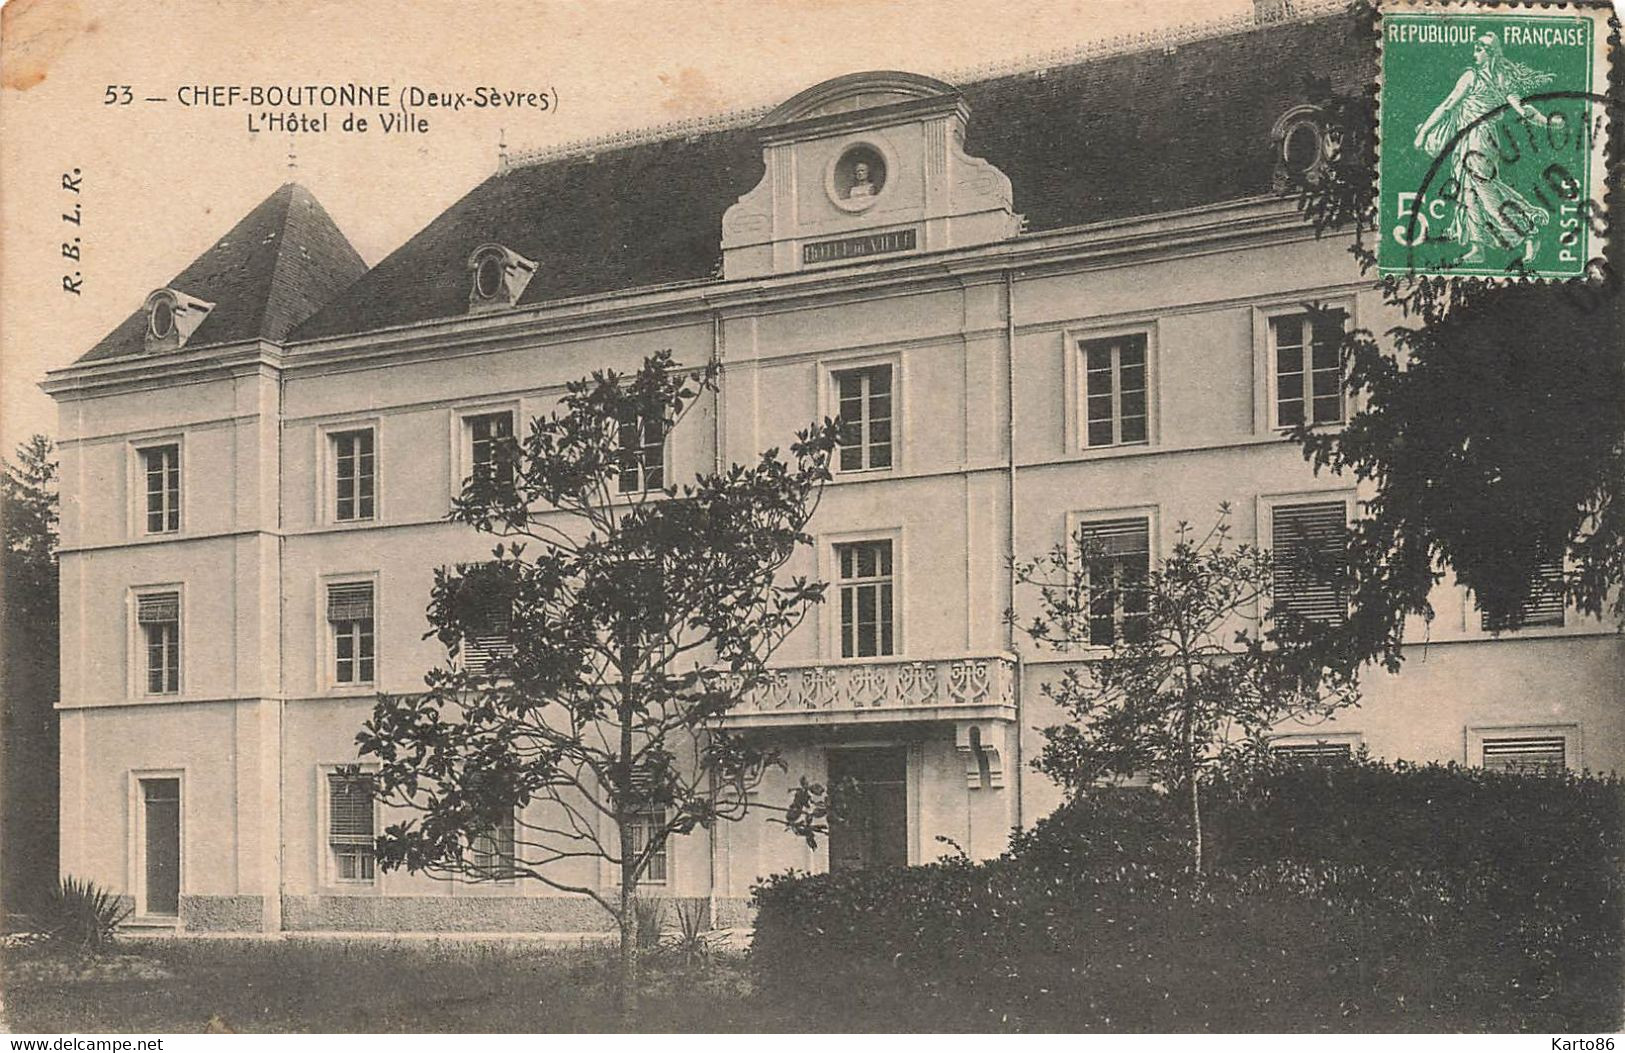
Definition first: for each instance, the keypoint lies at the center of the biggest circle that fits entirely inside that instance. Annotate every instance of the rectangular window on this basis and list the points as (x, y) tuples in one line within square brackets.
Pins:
[(1117, 555), (864, 402), (1313, 752), (1308, 371), (642, 455), (1309, 544), (161, 466), (1527, 754), (867, 628), (1544, 606), (350, 613), (159, 616), (356, 475), (492, 851), (491, 447), (490, 633), (645, 825), (1114, 391), (350, 827)]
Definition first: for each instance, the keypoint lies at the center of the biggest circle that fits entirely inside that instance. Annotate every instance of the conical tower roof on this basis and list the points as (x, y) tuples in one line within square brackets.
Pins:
[(274, 269)]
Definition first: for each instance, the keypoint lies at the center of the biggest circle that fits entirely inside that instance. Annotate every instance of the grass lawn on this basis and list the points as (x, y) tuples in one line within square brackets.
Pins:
[(327, 985)]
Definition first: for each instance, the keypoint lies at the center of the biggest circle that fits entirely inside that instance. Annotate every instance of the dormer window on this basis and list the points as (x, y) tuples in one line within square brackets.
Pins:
[(172, 317), (497, 277), (162, 320), (488, 277), (1303, 148)]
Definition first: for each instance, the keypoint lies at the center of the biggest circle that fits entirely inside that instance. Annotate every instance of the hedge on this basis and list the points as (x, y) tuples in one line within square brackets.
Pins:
[(1093, 922)]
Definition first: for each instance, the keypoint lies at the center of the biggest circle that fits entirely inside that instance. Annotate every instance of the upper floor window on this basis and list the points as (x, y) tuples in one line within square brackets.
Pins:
[(642, 445), (1117, 560), (350, 615), (350, 827), (1309, 545), (161, 467), (864, 402), (1545, 605), (355, 475), (867, 626), (490, 437), (489, 633), (158, 615), (1115, 390), (1308, 372)]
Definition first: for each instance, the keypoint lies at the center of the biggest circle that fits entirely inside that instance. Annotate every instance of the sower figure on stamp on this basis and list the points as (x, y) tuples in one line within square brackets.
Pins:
[(1489, 212)]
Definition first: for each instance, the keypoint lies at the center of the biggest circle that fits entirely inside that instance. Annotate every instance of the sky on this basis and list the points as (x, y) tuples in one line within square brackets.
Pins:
[(161, 182)]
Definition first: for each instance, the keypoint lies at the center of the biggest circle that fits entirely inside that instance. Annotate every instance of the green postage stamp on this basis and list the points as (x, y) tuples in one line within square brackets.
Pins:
[(1493, 131)]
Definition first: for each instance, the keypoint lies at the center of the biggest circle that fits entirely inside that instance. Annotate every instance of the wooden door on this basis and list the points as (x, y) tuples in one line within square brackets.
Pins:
[(161, 801), (870, 824)]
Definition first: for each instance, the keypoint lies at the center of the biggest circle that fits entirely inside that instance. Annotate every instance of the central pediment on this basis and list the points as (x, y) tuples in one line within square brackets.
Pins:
[(862, 166), (858, 91)]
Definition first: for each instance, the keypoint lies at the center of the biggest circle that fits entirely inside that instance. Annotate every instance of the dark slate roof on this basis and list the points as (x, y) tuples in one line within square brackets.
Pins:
[(1106, 138), (270, 272)]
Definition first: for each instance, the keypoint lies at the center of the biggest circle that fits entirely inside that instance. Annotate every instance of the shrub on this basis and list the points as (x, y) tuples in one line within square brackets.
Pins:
[(80, 916), (1092, 921), (692, 944)]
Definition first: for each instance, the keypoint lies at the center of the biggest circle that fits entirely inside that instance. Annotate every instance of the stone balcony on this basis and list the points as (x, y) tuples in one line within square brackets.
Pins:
[(867, 691)]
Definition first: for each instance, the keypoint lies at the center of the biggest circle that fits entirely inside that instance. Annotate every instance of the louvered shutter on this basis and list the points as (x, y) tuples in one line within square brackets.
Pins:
[(490, 633), (349, 602), (479, 651), (349, 810), (1119, 556), (1545, 604), (1537, 753), (1118, 537), (1310, 557), (1313, 752), (158, 608)]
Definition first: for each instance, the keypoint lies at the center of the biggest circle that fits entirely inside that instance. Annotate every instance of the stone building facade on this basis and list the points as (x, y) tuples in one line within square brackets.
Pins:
[(1055, 298)]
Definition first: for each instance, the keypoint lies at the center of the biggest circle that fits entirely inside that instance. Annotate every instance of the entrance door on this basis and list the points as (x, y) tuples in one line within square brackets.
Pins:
[(870, 824), (161, 801)]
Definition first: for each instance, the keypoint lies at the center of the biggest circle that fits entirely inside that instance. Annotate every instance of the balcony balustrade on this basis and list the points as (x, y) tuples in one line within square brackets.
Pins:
[(976, 687)]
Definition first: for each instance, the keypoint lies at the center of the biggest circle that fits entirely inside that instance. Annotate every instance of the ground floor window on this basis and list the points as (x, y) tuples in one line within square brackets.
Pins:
[(492, 851), (350, 828), (1529, 754), (646, 826)]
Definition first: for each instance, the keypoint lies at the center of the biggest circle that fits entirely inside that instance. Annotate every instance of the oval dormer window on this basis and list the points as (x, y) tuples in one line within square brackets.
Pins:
[(162, 320), (488, 277), (497, 277), (1303, 149)]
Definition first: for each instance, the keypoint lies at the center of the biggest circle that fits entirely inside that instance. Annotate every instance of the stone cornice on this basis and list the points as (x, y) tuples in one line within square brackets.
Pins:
[(135, 372), (1116, 243)]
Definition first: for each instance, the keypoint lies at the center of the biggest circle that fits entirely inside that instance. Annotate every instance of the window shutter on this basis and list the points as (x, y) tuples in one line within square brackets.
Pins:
[(1119, 537), (158, 608), (479, 651), (1313, 752), (350, 602), (349, 810), (1545, 604), (1310, 558), (1543, 753)]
